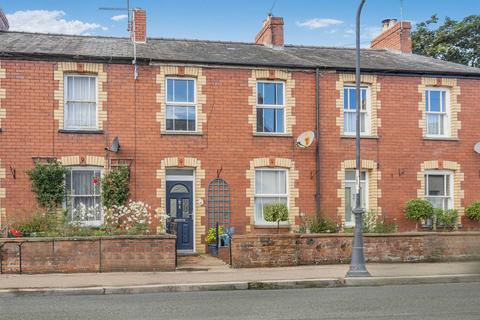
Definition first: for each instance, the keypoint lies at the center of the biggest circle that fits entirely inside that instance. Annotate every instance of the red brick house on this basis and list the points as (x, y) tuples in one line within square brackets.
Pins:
[(189, 111)]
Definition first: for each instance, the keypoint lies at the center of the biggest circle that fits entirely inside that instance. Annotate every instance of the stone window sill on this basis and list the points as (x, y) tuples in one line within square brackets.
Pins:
[(361, 137), (280, 135), (80, 131), (182, 133), (440, 139), (271, 226)]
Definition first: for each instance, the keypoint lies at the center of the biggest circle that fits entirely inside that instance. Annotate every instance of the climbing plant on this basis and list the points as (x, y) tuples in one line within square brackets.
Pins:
[(48, 183), (115, 187)]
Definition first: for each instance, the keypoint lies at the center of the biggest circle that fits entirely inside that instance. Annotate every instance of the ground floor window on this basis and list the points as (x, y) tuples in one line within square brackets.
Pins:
[(270, 187), (83, 201), (350, 194), (438, 189)]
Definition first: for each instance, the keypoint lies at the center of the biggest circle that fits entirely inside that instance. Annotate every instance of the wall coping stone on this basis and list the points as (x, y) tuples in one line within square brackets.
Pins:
[(93, 238), (350, 235)]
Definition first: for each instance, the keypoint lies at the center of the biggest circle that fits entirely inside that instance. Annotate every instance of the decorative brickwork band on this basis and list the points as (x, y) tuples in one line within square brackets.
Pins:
[(458, 177), (371, 81), (293, 193), (84, 161), (374, 192), (454, 106), (201, 98), (281, 75), (200, 192), (3, 94), (64, 68), (3, 194)]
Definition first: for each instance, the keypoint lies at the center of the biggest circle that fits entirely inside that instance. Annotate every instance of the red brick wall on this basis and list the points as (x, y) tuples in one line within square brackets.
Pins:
[(271, 32), (250, 251), (108, 254), (227, 143)]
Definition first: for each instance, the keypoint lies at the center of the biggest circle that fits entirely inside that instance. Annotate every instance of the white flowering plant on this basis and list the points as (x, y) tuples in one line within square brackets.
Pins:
[(162, 221), (81, 213), (134, 217)]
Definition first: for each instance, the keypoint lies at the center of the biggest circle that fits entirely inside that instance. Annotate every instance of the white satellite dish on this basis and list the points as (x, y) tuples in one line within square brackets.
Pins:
[(476, 148), (305, 139)]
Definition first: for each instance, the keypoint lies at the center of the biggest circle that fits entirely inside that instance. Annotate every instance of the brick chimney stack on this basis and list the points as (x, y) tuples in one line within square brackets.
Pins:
[(4, 26), (271, 34), (139, 27), (395, 36)]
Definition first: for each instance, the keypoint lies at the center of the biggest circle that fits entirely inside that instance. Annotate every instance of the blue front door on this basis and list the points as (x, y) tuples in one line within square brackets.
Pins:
[(179, 207)]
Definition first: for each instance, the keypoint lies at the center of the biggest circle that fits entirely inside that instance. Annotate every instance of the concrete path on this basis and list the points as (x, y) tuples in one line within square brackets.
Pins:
[(220, 277)]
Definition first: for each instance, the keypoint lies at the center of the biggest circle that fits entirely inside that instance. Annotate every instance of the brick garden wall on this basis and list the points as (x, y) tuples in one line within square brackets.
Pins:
[(105, 254), (306, 249)]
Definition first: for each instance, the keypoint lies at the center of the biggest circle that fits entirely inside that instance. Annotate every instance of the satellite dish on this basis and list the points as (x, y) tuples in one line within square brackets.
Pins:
[(115, 145), (305, 139), (476, 148)]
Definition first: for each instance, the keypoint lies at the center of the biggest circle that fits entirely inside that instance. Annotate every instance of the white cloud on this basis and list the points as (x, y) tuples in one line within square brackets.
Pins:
[(48, 22), (316, 23), (120, 17)]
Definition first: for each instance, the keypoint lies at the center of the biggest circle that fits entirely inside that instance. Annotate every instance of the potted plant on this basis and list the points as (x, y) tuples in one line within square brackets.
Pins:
[(418, 209), (211, 240), (275, 212)]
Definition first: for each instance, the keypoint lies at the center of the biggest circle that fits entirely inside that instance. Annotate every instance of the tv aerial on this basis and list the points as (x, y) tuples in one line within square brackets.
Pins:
[(476, 148), (305, 140), (115, 145)]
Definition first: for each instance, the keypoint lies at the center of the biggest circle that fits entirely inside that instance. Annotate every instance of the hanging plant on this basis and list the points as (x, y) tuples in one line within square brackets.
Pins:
[(115, 187), (48, 184)]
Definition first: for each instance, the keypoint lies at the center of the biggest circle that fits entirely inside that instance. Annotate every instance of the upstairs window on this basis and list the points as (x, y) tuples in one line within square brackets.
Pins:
[(438, 189), (83, 203), (181, 108), (350, 111), (270, 187), (80, 102), (270, 107), (436, 108)]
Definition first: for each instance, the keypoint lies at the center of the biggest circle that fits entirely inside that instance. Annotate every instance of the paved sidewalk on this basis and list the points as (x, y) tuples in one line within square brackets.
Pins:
[(212, 275)]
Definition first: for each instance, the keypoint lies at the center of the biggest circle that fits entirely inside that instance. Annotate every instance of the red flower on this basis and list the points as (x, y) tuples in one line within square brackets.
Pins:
[(15, 233), (95, 180)]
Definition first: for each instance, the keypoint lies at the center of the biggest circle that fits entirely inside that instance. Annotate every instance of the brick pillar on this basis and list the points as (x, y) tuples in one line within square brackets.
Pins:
[(271, 33), (139, 28)]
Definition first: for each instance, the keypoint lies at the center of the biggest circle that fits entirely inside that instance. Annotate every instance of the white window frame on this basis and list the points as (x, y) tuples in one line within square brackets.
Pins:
[(65, 101), (367, 112), (175, 104), (445, 114), (367, 199), (450, 186), (255, 196), (271, 106), (94, 223)]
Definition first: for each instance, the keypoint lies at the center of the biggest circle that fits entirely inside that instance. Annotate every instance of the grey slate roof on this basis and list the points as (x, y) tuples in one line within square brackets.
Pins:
[(42, 46)]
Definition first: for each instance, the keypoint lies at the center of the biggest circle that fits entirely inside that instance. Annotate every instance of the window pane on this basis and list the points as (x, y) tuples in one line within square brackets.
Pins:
[(269, 93), (268, 120), (363, 96), (345, 99), (191, 119), (427, 100), (173, 208), (436, 185), (170, 125), (261, 202), (181, 118), (186, 208), (279, 99), (191, 91), (349, 202), (443, 101), (433, 124), (350, 175), (279, 120), (170, 90), (435, 101), (259, 119), (260, 92), (437, 202), (270, 182), (363, 119), (353, 102), (180, 92), (82, 182), (447, 184)]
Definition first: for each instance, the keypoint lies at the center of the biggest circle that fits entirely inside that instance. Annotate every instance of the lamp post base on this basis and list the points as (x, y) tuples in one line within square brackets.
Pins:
[(356, 273)]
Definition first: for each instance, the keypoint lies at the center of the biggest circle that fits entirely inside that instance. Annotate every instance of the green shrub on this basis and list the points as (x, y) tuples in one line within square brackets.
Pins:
[(115, 187), (211, 236), (373, 224), (321, 224), (48, 184), (275, 212), (473, 211), (39, 222), (418, 209), (446, 218)]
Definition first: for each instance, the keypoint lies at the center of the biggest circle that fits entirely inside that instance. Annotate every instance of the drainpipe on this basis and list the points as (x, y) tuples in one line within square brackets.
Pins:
[(317, 103)]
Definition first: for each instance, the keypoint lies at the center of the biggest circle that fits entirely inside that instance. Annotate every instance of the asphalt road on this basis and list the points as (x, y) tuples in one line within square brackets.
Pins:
[(438, 301)]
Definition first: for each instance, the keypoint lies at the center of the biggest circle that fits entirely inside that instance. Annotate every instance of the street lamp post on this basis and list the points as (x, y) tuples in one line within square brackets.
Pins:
[(357, 264)]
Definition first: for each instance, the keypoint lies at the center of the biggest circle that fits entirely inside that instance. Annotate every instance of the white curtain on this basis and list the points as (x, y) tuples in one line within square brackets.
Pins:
[(80, 103)]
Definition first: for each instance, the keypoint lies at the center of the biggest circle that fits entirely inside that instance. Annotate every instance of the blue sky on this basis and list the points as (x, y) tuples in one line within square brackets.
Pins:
[(307, 22)]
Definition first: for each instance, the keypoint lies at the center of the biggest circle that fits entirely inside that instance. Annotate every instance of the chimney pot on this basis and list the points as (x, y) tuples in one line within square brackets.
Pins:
[(271, 33), (139, 28)]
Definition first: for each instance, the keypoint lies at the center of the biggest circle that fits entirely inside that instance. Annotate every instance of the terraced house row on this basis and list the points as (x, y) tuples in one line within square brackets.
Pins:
[(209, 128)]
